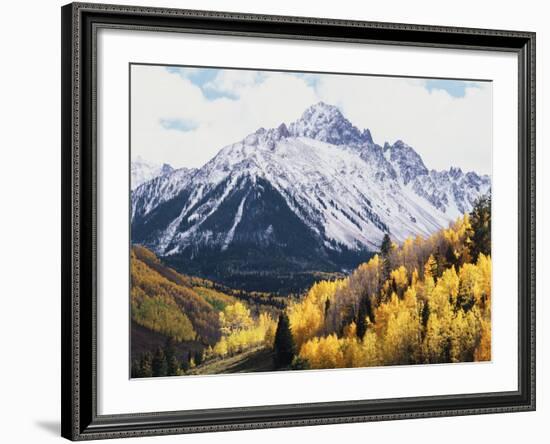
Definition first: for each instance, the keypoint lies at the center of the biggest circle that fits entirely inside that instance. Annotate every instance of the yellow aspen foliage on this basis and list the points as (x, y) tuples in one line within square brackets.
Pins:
[(414, 278), (323, 352), (465, 334), (383, 313), (369, 348), (220, 348), (235, 316), (307, 318), (367, 277), (241, 331), (483, 350), (267, 325), (436, 341), (458, 237), (352, 352), (470, 285), (445, 293), (398, 329), (485, 275), (350, 331), (430, 267), (408, 254), (410, 301), (400, 276)]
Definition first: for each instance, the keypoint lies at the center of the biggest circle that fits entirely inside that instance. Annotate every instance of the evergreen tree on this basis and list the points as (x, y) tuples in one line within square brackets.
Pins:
[(172, 364), (159, 364), (385, 249), (425, 314), (327, 307), (480, 219), (135, 368), (361, 321), (441, 263), (465, 300), (145, 365), (198, 357), (185, 362), (450, 257), (284, 343), (300, 364)]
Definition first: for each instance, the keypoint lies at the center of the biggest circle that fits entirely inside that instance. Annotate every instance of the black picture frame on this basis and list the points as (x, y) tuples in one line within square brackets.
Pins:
[(80, 22)]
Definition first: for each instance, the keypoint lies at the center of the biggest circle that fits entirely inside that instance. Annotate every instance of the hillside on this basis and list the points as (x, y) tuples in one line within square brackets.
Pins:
[(166, 304), (186, 316)]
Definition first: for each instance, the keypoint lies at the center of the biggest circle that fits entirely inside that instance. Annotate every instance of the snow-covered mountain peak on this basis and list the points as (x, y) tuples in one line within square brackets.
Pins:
[(326, 123), (367, 136), (165, 169), (144, 171), (406, 161), (455, 173)]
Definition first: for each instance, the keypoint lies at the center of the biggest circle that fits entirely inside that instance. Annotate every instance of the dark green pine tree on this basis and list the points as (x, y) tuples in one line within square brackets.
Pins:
[(450, 257), (442, 264), (364, 312), (185, 362), (135, 368), (159, 365), (284, 343), (480, 219), (386, 245), (172, 364), (198, 357), (145, 365), (385, 249)]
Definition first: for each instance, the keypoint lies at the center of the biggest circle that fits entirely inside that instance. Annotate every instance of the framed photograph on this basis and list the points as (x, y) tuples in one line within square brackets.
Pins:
[(280, 221)]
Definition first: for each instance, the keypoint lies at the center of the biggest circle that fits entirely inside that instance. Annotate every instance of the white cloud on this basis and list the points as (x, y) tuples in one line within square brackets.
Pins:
[(234, 81), (445, 130)]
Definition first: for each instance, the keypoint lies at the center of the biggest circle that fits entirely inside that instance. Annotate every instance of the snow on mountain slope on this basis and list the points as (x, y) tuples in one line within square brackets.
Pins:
[(161, 188), (143, 171), (323, 177)]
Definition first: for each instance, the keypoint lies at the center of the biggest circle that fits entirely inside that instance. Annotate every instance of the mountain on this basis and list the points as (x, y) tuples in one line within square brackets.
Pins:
[(143, 171), (316, 195)]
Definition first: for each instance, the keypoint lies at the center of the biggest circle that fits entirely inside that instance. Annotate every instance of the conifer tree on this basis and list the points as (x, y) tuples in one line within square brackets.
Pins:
[(425, 314), (145, 365), (386, 245), (284, 343), (172, 364), (385, 249), (198, 357), (361, 322), (159, 364), (365, 311), (185, 362), (135, 368), (480, 219)]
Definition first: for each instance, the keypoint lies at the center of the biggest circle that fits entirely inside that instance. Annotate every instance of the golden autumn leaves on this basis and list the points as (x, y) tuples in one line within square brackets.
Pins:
[(240, 331), (438, 313)]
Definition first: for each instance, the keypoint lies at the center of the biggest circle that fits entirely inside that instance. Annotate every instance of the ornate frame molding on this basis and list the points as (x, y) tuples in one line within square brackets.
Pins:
[(80, 22)]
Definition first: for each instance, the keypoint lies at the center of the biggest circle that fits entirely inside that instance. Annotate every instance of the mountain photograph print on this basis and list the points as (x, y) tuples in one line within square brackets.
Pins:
[(286, 221)]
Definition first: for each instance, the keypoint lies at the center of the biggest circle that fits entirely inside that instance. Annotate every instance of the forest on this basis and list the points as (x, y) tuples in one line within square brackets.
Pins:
[(425, 301)]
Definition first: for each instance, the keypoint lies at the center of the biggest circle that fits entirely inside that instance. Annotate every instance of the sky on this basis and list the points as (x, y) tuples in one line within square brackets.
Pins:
[(183, 116)]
